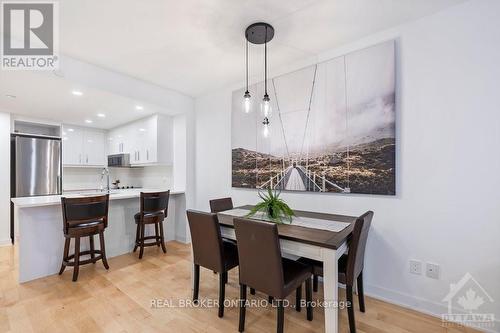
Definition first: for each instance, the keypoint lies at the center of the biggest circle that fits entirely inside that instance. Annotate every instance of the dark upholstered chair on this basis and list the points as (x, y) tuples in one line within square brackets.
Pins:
[(210, 251), (350, 265), (220, 205), (263, 268), (154, 209), (84, 217)]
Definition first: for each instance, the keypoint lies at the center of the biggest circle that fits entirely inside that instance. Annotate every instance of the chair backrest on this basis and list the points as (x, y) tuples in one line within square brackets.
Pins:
[(81, 210), (220, 205), (154, 202), (357, 245), (259, 252), (206, 240)]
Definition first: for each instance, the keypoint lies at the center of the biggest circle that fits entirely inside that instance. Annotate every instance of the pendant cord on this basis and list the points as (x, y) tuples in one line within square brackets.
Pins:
[(265, 64), (247, 63)]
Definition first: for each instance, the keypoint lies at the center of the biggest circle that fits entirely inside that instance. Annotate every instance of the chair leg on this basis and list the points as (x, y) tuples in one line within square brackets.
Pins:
[(196, 283), (137, 232), (350, 309), (252, 291), (226, 277), (270, 299), (281, 316), (157, 235), (162, 238), (77, 258), (315, 283), (298, 296), (92, 248), (222, 293), (361, 293), (309, 299), (103, 250), (243, 299), (141, 241), (65, 254)]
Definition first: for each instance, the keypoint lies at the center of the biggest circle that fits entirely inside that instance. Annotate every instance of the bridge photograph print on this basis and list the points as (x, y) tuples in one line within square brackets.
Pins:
[(330, 127)]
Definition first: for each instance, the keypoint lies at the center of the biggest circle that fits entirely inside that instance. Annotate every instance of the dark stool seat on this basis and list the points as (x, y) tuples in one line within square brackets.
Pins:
[(84, 217), (154, 207)]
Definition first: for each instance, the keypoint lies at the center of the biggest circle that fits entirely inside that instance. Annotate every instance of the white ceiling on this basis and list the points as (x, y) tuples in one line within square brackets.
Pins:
[(190, 46), (193, 45)]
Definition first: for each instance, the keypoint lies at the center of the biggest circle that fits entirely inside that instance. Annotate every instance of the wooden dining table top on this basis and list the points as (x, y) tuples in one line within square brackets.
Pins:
[(318, 237)]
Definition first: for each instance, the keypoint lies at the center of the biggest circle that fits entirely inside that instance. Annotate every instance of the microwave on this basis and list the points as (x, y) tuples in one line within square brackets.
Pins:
[(119, 160)]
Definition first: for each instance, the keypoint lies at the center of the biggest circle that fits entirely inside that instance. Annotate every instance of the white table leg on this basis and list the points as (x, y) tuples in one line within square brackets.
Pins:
[(330, 285)]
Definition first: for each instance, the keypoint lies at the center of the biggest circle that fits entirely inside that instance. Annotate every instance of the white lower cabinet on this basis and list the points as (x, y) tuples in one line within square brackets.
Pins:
[(83, 146)]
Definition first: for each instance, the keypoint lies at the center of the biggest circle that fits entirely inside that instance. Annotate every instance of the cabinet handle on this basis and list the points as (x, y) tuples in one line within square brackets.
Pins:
[(80, 158), (138, 155), (87, 159), (147, 154)]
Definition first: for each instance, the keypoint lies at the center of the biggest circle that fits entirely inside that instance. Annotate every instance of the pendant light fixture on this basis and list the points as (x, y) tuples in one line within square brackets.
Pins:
[(259, 33)]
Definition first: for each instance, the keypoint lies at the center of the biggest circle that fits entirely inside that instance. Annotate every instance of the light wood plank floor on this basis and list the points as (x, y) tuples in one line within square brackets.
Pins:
[(119, 300)]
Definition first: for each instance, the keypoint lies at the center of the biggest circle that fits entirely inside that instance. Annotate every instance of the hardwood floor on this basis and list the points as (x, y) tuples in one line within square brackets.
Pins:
[(119, 300)]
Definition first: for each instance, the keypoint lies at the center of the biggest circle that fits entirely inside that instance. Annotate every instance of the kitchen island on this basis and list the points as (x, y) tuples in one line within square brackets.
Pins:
[(39, 226)]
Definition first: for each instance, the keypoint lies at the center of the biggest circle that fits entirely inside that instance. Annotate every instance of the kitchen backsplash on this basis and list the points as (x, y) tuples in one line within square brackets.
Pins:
[(90, 178)]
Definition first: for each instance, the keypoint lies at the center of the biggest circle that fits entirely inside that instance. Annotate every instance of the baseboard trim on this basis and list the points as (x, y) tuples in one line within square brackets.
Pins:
[(422, 305)]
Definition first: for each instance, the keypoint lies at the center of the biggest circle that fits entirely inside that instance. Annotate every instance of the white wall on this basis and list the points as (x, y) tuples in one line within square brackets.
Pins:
[(4, 178), (446, 210)]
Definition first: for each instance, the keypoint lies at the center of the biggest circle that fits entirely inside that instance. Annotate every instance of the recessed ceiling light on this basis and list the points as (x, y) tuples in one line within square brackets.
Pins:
[(101, 115), (88, 121), (70, 130), (139, 107), (11, 96), (142, 130), (77, 93)]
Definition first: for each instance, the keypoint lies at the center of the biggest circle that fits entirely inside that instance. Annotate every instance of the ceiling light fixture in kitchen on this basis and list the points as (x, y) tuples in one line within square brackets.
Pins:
[(10, 96), (77, 93), (259, 33), (139, 107), (88, 121), (101, 115)]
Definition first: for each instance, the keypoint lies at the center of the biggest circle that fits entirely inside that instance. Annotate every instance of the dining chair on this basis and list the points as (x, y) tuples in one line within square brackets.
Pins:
[(154, 210), (84, 217), (259, 251), (220, 205), (210, 251), (350, 265)]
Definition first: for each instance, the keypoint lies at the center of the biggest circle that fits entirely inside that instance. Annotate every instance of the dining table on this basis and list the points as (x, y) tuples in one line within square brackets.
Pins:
[(319, 236)]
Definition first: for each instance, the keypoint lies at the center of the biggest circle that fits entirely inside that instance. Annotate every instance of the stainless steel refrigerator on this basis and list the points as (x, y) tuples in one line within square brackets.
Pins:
[(36, 168)]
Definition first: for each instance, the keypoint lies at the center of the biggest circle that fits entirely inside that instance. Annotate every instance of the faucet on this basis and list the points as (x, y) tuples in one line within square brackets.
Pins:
[(105, 171)]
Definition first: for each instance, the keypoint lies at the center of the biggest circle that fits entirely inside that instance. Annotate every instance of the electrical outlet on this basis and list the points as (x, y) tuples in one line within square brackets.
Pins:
[(432, 271), (416, 267)]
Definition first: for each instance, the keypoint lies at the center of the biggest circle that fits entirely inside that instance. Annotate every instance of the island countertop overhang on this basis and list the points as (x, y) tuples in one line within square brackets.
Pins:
[(50, 200)]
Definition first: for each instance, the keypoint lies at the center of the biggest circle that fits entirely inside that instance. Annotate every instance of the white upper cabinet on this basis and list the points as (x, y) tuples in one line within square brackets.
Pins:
[(148, 141), (83, 146)]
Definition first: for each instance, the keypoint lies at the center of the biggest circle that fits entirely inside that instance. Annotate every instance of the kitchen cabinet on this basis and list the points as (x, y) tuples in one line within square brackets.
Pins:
[(83, 146), (148, 141)]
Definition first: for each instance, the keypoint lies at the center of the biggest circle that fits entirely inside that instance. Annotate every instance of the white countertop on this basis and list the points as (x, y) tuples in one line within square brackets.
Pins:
[(50, 200)]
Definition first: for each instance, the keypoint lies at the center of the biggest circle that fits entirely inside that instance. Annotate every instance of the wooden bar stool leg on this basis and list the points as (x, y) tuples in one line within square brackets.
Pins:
[(157, 235), (141, 240), (92, 248), (162, 238), (103, 250), (77, 258), (137, 232), (65, 254)]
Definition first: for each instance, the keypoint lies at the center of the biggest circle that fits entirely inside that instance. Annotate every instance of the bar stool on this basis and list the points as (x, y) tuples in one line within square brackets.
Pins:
[(84, 217), (154, 208)]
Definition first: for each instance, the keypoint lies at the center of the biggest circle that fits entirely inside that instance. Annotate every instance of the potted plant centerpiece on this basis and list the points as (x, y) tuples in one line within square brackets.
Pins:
[(273, 207)]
